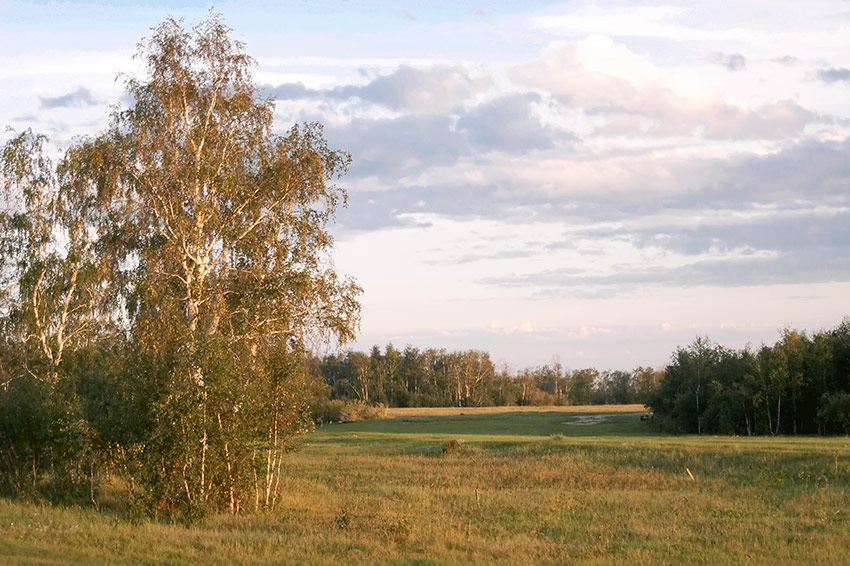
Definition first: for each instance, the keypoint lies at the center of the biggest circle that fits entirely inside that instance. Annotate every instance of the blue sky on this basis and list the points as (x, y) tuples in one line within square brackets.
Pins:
[(597, 181)]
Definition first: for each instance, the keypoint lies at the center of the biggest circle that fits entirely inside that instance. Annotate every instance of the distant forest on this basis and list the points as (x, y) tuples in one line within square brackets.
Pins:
[(800, 385), (439, 378)]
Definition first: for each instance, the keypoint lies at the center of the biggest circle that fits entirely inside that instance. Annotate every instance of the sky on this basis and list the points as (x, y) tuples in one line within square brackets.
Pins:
[(596, 183)]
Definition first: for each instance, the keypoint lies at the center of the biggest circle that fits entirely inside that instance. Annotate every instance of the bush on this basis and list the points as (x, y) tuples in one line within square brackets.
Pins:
[(453, 446), (330, 411), (359, 411), (335, 410), (46, 448)]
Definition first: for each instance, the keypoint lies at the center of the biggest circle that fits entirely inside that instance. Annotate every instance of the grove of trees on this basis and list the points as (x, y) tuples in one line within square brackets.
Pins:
[(434, 378), (160, 285), (800, 385)]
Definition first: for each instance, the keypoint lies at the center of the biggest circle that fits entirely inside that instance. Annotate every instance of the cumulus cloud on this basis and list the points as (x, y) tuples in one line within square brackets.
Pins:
[(80, 98), (812, 170), (509, 124), (439, 88), (834, 75), (421, 147), (773, 120), (434, 89), (436, 144), (733, 62), (581, 187), (701, 221), (402, 206), (400, 145), (597, 73), (289, 91)]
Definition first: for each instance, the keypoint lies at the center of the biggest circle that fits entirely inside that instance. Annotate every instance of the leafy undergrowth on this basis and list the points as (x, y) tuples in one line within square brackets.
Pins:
[(444, 490)]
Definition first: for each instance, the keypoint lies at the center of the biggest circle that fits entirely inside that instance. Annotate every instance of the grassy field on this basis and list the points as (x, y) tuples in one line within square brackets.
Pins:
[(508, 486)]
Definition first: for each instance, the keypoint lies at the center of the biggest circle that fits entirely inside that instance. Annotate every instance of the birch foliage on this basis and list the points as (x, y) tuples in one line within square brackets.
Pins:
[(228, 223), (213, 229)]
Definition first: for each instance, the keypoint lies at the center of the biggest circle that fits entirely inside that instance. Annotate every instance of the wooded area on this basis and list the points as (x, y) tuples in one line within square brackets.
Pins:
[(800, 385), (439, 378)]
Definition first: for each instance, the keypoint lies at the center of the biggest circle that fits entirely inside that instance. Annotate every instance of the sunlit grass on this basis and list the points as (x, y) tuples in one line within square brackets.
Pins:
[(484, 487)]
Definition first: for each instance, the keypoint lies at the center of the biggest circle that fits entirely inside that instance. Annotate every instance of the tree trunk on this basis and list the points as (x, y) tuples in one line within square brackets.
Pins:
[(699, 416)]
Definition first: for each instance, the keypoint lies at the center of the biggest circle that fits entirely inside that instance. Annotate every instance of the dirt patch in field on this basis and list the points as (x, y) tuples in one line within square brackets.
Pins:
[(587, 420)]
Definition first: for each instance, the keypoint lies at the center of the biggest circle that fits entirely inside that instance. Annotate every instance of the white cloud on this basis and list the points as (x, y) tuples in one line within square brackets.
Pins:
[(606, 77), (438, 88)]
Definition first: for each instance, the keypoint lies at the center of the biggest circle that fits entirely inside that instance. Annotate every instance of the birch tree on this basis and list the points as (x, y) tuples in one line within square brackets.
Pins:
[(55, 298), (225, 225)]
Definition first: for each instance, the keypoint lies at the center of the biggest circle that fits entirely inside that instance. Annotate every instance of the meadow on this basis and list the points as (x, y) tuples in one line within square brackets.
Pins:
[(556, 485)]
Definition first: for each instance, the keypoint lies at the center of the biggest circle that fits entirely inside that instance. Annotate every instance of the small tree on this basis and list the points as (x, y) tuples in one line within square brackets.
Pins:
[(55, 298)]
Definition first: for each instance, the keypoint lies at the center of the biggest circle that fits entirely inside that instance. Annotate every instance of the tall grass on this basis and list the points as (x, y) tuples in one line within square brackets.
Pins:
[(522, 488)]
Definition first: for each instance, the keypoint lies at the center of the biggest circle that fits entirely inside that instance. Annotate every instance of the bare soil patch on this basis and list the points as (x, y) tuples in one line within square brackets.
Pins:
[(585, 420)]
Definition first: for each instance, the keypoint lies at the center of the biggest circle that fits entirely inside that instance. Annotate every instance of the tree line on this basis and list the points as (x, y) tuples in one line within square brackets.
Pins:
[(437, 378), (800, 385)]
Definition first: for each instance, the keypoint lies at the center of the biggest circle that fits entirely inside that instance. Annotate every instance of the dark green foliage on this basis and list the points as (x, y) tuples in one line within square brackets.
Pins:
[(834, 412), (798, 386), (46, 444), (412, 378)]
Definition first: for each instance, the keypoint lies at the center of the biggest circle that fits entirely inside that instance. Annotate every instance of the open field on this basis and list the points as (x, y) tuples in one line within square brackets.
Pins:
[(522, 487), (394, 412)]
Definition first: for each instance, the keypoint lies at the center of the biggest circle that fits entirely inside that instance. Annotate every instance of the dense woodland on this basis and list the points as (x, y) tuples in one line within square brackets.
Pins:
[(800, 385)]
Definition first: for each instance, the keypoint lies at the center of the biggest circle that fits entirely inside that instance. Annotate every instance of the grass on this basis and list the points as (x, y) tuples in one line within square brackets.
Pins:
[(408, 412), (487, 487)]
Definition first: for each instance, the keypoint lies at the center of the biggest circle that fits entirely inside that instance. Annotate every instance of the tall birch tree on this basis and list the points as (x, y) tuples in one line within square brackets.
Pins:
[(224, 224)]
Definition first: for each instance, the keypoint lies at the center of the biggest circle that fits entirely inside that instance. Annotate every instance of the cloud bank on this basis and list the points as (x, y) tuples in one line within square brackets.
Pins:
[(519, 173)]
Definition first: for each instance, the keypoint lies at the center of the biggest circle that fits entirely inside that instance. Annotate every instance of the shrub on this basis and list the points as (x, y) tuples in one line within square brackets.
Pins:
[(336, 410), (359, 411), (329, 411)]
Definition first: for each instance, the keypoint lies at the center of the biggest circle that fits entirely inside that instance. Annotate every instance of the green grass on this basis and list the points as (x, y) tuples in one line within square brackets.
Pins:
[(486, 487)]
